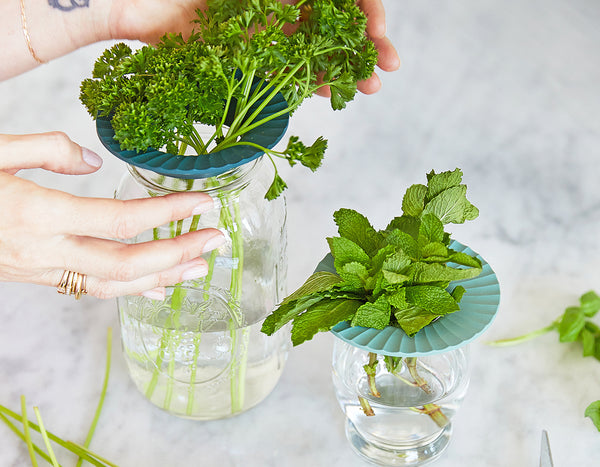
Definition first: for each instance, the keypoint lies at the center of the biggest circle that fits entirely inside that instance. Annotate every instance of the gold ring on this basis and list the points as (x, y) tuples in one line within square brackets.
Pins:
[(72, 283)]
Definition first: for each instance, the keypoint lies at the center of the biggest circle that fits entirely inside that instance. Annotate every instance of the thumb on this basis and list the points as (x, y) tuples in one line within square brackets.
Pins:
[(52, 151)]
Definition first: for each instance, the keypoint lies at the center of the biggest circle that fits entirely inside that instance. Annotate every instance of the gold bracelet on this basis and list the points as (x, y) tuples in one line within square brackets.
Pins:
[(26, 34)]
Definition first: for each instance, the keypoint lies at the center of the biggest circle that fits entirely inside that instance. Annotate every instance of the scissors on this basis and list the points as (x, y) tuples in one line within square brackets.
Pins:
[(545, 455)]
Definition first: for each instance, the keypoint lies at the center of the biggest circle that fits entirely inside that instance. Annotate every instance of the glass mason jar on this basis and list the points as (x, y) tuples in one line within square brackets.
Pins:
[(200, 353), (399, 409)]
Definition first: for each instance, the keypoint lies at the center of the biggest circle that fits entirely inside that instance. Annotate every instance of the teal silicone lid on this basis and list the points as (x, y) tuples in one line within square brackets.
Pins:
[(478, 308), (207, 165)]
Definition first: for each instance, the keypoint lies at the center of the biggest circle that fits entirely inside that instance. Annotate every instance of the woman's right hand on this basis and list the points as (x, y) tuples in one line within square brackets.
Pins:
[(44, 232)]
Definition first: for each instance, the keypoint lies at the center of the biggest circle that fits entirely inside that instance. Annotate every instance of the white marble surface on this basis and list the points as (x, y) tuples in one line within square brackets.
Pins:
[(508, 91)]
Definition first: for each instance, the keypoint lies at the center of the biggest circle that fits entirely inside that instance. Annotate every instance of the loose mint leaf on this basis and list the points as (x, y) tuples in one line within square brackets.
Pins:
[(317, 282), (452, 206), (458, 292), (346, 251), (593, 412), (411, 320), (436, 183), (590, 303), (277, 187), (321, 317), (431, 228), (571, 324), (373, 315), (356, 227), (433, 299), (414, 200)]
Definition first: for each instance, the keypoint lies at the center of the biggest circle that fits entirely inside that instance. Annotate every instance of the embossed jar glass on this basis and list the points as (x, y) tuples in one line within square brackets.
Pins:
[(199, 353)]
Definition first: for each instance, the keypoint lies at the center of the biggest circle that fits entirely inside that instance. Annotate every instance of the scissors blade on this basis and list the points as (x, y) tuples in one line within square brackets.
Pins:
[(546, 455)]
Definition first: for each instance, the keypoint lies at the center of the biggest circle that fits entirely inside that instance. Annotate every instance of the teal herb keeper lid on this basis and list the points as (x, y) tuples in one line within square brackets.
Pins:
[(478, 309)]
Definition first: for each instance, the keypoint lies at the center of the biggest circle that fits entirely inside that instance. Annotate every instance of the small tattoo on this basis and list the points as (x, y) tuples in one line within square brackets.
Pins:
[(68, 5)]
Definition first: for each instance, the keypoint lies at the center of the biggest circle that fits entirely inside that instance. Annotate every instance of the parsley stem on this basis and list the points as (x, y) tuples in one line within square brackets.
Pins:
[(524, 337)]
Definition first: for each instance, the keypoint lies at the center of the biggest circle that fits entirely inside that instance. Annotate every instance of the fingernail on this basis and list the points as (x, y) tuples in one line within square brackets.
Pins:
[(91, 158), (195, 272), (213, 243), (204, 207), (155, 294)]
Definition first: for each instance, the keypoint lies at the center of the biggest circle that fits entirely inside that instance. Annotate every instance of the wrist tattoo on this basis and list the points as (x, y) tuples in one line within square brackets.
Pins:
[(68, 5)]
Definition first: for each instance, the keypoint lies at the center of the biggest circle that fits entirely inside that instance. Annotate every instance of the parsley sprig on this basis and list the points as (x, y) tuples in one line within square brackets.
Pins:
[(236, 61), (398, 276)]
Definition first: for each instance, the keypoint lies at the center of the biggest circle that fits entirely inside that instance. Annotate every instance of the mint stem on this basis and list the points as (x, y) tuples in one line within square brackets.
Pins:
[(371, 371), (367, 409), (524, 337), (411, 364)]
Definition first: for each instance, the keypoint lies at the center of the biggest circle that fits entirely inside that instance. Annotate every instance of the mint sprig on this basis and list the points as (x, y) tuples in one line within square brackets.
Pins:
[(574, 325), (398, 276)]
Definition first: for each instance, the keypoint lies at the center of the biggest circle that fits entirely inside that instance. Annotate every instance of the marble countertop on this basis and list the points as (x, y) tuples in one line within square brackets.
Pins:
[(506, 90)]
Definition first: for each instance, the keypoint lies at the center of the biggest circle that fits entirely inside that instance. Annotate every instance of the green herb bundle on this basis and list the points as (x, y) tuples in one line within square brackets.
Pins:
[(239, 57), (398, 276)]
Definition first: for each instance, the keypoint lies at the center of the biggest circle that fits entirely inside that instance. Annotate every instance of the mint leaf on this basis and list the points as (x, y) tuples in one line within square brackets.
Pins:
[(404, 241), (457, 293), (346, 251), (414, 200), (431, 228), (373, 315), (452, 206), (435, 272), (588, 339), (436, 251), (354, 274), (406, 224), (436, 183), (590, 303), (321, 317), (571, 324), (287, 312), (411, 320), (357, 228), (317, 282), (464, 259), (432, 299), (593, 412)]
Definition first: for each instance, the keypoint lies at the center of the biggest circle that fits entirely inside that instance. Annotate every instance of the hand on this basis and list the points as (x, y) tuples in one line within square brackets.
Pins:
[(44, 232), (148, 20)]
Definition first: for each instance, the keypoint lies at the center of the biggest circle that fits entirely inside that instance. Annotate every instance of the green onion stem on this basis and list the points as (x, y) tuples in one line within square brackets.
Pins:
[(45, 437), (92, 429), (27, 433), (23, 437)]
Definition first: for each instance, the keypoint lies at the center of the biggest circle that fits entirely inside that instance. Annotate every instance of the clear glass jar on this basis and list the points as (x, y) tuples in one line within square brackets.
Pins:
[(200, 353), (399, 409)]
